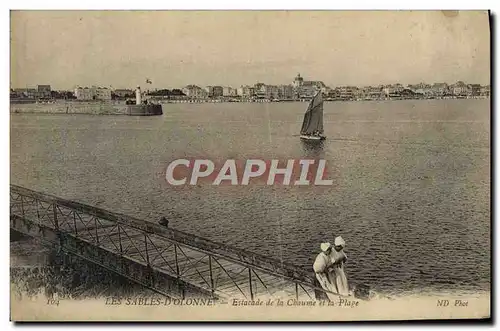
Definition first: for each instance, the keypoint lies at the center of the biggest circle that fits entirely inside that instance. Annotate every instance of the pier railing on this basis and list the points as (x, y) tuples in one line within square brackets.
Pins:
[(221, 270)]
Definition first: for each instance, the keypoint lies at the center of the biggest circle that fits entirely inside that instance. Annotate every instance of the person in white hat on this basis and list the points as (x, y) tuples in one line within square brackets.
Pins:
[(337, 273), (321, 268)]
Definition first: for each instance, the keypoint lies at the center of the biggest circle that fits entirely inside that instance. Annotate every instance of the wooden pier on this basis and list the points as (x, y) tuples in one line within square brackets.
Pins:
[(168, 261)]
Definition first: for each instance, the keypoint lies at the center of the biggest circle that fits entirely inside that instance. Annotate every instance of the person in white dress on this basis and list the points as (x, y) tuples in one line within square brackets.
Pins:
[(337, 274), (321, 269)]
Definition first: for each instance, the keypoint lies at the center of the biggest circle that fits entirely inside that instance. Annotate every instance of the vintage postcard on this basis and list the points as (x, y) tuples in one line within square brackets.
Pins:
[(250, 165)]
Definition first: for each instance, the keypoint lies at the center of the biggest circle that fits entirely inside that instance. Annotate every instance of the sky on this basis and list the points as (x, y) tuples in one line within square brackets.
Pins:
[(231, 48)]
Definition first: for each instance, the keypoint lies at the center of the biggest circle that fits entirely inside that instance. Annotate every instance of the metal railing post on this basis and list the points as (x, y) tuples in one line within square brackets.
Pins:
[(37, 211), (56, 223), (183, 291), (150, 275), (146, 245), (211, 274), (96, 234), (120, 240), (250, 281), (177, 270), (74, 223), (22, 206), (176, 261)]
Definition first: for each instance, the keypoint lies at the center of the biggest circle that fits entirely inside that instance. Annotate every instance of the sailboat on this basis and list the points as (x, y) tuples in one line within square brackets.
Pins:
[(312, 126)]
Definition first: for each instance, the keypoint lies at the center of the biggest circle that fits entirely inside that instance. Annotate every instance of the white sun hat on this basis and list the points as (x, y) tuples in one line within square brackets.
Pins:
[(325, 246), (339, 241)]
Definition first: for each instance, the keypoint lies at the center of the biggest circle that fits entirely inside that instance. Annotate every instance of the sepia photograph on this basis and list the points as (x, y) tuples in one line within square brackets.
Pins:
[(250, 165)]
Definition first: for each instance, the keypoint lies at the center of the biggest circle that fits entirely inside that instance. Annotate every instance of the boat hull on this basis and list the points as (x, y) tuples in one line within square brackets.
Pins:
[(312, 138)]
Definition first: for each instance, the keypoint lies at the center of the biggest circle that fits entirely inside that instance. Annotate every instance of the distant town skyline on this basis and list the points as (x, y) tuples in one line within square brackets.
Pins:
[(232, 48), (145, 86)]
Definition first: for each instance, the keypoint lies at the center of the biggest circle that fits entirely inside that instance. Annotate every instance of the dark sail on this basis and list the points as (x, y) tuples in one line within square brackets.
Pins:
[(313, 118)]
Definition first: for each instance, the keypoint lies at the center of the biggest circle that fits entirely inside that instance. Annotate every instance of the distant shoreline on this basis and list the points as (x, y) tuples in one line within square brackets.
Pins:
[(307, 100), (224, 100)]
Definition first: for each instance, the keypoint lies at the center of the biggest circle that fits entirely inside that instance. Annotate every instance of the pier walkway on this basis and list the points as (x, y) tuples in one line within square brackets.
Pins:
[(168, 261)]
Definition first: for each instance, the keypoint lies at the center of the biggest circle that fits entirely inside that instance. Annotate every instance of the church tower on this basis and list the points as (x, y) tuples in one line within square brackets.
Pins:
[(298, 81)]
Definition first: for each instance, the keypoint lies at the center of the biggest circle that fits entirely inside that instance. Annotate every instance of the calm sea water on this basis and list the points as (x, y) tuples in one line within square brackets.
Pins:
[(410, 193)]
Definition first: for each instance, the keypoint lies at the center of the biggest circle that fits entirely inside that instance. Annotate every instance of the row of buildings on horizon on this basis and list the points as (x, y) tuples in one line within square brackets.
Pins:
[(299, 89)]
